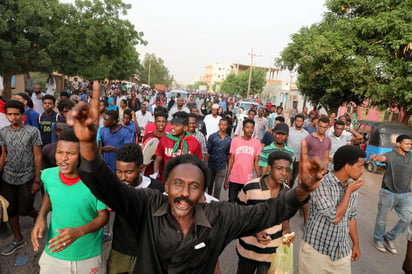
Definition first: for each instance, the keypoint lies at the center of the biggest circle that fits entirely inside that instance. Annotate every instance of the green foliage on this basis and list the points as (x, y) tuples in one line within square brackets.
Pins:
[(95, 42), (361, 50), (239, 84), (88, 39), (159, 73)]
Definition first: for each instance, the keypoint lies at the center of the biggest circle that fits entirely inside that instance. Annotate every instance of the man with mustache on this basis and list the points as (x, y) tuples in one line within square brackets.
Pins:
[(178, 236), (129, 166)]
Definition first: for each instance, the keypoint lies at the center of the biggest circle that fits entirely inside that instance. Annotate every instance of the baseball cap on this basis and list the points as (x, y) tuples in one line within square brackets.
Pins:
[(281, 128)]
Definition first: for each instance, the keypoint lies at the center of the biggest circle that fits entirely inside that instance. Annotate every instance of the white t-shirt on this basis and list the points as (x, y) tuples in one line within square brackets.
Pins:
[(212, 124), (143, 120)]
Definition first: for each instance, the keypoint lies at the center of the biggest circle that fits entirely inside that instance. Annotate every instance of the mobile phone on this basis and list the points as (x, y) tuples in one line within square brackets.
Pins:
[(21, 260)]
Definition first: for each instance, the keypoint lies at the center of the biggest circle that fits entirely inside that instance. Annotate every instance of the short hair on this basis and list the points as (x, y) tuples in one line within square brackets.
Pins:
[(278, 155), (160, 108), (130, 153), (124, 101), (324, 119), (182, 115), (224, 120), (248, 121), (192, 115), (127, 111), (106, 104), (251, 110), (161, 114), (64, 93), (348, 119), (188, 159), (112, 114), (279, 107), (65, 103), (347, 154), (14, 104), (49, 97), (339, 123), (402, 137), (315, 118), (300, 115), (68, 134)]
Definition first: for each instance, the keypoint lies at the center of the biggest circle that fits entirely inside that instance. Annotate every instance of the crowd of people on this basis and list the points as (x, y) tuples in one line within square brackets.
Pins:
[(88, 153)]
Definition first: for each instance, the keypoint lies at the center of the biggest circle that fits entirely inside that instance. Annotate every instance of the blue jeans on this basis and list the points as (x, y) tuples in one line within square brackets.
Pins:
[(402, 204)]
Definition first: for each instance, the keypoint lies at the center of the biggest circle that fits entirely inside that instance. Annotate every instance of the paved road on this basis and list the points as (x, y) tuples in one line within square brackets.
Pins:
[(371, 261)]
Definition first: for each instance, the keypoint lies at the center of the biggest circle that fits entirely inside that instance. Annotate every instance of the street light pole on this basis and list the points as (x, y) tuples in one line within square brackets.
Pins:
[(148, 80), (250, 72)]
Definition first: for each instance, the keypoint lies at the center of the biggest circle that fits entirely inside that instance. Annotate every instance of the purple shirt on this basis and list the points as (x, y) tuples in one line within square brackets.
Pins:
[(316, 147)]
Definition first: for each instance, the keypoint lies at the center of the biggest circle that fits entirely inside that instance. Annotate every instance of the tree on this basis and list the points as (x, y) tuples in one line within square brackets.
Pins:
[(239, 84), (87, 39), (327, 69), (95, 43), (155, 67), (26, 30), (382, 36), (360, 51)]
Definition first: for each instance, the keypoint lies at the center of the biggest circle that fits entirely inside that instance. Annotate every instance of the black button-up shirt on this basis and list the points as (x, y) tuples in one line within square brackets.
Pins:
[(162, 249)]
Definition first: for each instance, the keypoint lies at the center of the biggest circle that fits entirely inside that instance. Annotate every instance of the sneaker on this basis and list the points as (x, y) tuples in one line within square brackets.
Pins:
[(12, 247), (379, 246), (390, 246)]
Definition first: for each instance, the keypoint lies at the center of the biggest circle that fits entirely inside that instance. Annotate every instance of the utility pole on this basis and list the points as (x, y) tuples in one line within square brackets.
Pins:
[(148, 80), (250, 71)]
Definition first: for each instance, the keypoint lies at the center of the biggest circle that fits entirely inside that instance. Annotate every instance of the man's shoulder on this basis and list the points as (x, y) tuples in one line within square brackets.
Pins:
[(155, 184)]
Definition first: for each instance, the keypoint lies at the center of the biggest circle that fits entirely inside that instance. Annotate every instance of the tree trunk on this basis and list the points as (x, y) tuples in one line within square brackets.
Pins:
[(7, 87), (406, 117)]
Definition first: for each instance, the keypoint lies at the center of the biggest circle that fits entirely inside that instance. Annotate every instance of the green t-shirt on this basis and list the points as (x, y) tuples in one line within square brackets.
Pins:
[(73, 206)]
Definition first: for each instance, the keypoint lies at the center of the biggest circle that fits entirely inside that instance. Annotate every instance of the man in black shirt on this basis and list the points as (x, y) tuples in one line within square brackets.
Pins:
[(178, 234)]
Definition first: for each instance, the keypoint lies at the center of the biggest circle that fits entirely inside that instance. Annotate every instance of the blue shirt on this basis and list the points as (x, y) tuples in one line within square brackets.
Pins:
[(223, 105), (309, 129), (218, 150), (116, 139), (132, 127), (32, 117)]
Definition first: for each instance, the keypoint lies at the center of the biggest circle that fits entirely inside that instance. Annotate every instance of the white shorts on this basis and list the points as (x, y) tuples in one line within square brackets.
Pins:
[(49, 264)]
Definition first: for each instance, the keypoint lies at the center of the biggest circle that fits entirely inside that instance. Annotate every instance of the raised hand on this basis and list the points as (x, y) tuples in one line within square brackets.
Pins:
[(311, 174), (85, 119)]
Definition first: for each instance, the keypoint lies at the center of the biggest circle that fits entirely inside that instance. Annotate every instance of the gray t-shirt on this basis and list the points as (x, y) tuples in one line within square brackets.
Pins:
[(295, 140), (19, 165), (398, 174)]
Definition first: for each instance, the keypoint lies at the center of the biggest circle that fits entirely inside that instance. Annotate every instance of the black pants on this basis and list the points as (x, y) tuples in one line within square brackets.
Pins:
[(234, 189), (246, 266)]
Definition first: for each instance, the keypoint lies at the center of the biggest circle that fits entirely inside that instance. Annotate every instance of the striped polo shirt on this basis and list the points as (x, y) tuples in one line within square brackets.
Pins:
[(267, 150), (254, 192)]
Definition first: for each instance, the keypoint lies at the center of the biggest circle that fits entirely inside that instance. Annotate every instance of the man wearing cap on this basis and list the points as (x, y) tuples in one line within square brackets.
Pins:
[(281, 133), (177, 142), (212, 121), (261, 125), (30, 114)]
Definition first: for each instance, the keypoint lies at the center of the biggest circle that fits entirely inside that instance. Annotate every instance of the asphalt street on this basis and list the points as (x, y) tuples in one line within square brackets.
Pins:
[(371, 260)]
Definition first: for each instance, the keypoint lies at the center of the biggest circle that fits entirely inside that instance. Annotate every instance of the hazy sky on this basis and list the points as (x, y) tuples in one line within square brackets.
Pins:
[(189, 35)]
